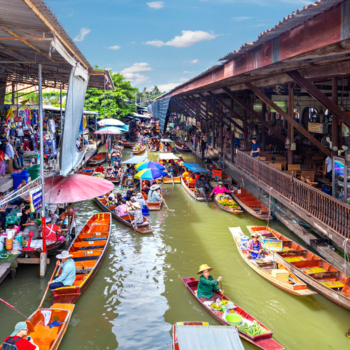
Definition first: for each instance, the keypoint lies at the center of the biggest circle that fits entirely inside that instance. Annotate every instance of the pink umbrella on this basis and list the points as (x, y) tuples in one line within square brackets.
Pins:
[(75, 188)]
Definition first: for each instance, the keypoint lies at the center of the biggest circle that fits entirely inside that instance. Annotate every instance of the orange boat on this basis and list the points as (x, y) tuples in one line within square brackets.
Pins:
[(87, 171), (170, 181), (251, 204), (98, 159)]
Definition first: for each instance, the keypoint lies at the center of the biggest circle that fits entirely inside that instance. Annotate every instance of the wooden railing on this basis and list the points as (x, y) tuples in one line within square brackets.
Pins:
[(325, 208)]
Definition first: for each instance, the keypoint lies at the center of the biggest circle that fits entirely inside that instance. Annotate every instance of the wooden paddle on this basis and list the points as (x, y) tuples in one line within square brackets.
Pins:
[(43, 298), (167, 206), (222, 291)]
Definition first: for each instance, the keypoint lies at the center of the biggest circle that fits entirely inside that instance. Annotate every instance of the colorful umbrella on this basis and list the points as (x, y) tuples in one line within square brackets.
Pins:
[(150, 174), (75, 188), (109, 130), (149, 165), (50, 231)]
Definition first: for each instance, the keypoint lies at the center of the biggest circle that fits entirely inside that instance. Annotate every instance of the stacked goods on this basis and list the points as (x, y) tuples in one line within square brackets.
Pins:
[(100, 175), (253, 330), (227, 202)]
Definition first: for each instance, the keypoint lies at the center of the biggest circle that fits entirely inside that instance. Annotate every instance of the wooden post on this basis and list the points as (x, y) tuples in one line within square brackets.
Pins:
[(263, 129), (335, 141), (13, 92), (232, 147), (214, 124), (245, 122), (290, 126)]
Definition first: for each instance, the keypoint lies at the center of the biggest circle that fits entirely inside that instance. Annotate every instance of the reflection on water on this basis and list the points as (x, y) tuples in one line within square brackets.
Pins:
[(138, 294)]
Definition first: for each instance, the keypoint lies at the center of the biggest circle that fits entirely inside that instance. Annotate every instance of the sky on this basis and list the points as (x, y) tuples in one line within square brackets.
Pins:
[(165, 43)]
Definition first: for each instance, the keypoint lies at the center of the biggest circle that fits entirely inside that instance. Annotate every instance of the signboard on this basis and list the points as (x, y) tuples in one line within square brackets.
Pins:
[(36, 199), (273, 244), (318, 128)]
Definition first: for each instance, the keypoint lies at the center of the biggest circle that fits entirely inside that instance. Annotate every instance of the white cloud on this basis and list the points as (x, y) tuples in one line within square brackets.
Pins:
[(183, 79), (133, 42), (137, 67), (167, 87), (155, 5), (136, 78), (115, 47), (240, 19), (194, 61), (187, 72), (83, 33), (186, 39)]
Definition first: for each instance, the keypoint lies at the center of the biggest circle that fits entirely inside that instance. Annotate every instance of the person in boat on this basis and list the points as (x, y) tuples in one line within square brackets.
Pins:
[(146, 187), (201, 183), (136, 210), (207, 286), (100, 169), (67, 276), (139, 199), (154, 194), (108, 174), (19, 339), (110, 201), (122, 209), (130, 193), (120, 172), (220, 188), (254, 247)]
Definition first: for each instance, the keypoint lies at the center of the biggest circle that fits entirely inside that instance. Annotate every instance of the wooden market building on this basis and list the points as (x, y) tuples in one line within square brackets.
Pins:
[(290, 89)]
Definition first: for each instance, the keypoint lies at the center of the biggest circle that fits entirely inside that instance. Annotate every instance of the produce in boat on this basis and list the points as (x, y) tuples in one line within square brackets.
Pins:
[(225, 202)]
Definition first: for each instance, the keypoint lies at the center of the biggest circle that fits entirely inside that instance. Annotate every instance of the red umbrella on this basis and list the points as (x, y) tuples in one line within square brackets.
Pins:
[(50, 232), (75, 188)]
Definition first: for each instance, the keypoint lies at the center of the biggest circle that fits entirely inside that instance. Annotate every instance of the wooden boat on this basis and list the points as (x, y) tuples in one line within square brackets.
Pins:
[(263, 341), (325, 278), (192, 192), (127, 144), (235, 210), (115, 179), (98, 159), (125, 220), (47, 338), (88, 250), (216, 171), (87, 171), (269, 270), (154, 206), (124, 180), (251, 204), (182, 147), (141, 150), (175, 180)]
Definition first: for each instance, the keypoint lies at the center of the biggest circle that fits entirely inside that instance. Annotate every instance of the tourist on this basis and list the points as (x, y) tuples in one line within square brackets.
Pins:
[(20, 156), (19, 339), (220, 188), (154, 194), (11, 154), (137, 212), (255, 148), (2, 162), (146, 187), (207, 285), (203, 146), (25, 218), (122, 208), (67, 276), (201, 183), (254, 247), (329, 168), (139, 199), (130, 193), (118, 199), (100, 169)]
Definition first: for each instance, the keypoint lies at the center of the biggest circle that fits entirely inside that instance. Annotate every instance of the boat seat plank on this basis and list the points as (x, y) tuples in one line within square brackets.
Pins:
[(325, 275), (91, 244), (293, 252)]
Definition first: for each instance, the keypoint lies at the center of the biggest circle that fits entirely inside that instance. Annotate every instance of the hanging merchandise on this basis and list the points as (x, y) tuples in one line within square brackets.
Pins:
[(52, 126), (10, 115)]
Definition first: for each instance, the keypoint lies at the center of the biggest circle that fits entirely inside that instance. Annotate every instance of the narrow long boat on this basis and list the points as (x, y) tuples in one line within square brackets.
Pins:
[(139, 151), (325, 278), (127, 144), (251, 204), (125, 220), (87, 171), (232, 207), (263, 341), (169, 181), (43, 336), (192, 192), (216, 171), (182, 147), (88, 250), (98, 159), (269, 270)]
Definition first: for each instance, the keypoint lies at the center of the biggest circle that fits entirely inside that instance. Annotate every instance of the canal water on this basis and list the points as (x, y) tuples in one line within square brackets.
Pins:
[(137, 295)]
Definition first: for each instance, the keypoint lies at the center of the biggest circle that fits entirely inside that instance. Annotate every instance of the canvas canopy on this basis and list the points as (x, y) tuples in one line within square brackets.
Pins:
[(168, 156), (196, 168), (208, 338), (135, 160), (166, 140)]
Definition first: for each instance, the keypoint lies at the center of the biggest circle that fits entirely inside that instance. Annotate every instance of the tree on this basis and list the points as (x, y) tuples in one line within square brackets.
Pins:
[(145, 97), (112, 103)]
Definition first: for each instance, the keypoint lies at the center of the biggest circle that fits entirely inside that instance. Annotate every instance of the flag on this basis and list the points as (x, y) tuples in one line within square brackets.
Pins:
[(47, 316)]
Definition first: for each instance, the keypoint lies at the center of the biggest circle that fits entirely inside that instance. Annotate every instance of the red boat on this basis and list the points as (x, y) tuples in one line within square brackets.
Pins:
[(182, 147), (127, 144), (263, 341), (98, 159)]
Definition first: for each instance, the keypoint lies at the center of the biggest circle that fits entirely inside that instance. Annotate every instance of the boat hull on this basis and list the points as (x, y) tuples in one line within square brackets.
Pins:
[(227, 209), (170, 181), (182, 147), (98, 159), (154, 206), (199, 198), (143, 149)]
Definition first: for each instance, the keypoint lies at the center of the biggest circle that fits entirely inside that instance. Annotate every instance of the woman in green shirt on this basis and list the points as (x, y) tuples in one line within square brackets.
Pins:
[(207, 285)]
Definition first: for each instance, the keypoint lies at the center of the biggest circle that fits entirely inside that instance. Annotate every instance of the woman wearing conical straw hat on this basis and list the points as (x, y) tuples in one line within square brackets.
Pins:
[(207, 286)]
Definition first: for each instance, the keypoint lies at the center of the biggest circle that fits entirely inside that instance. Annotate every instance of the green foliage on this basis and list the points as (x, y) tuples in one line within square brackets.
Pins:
[(32, 98), (112, 103), (144, 98)]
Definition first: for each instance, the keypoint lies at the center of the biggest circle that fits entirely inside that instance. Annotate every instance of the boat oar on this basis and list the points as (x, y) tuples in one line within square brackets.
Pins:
[(222, 291), (29, 324), (43, 298), (167, 206), (205, 195)]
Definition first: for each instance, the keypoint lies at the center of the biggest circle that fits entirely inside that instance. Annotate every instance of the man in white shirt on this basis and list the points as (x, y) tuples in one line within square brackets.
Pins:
[(329, 166)]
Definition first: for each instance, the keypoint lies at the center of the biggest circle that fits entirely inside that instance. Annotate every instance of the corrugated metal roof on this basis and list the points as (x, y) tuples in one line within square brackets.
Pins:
[(289, 22)]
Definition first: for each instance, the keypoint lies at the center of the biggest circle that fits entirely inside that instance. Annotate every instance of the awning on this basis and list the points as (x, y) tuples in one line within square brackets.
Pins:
[(168, 156), (166, 140), (110, 122), (196, 168), (109, 130), (141, 116), (135, 160), (208, 338)]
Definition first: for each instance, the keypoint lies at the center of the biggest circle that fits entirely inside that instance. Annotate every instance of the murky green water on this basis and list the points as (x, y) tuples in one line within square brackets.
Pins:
[(138, 293)]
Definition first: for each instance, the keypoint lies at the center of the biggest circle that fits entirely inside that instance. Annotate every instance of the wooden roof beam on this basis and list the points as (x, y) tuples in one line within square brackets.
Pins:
[(290, 120), (223, 104), (320, 97)]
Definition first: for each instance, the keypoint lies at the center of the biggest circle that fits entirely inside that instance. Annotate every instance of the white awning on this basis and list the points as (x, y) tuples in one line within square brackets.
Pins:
[(168, 156)]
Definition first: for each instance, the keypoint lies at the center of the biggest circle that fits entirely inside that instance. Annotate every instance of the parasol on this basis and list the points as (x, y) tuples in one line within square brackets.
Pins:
[(150, 174), (110, 122), (50, 232), (149, 165), (109, 130), (75, 188)]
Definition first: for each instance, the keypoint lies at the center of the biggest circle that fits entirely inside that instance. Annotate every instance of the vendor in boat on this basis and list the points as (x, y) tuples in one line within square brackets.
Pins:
[(100, 169), (67, 276), (139, 199), (207, 286), (201, 183), (25, 218), (19, 339), (130, 193), (136, 210), (254, 247), (219, 189), (146, 187), (154, 194)]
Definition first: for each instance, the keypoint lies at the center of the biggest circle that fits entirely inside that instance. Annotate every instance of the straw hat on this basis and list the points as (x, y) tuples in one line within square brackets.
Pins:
[(136, 205), (220, 183), (204, 267), (154, 187), (64, 255)]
